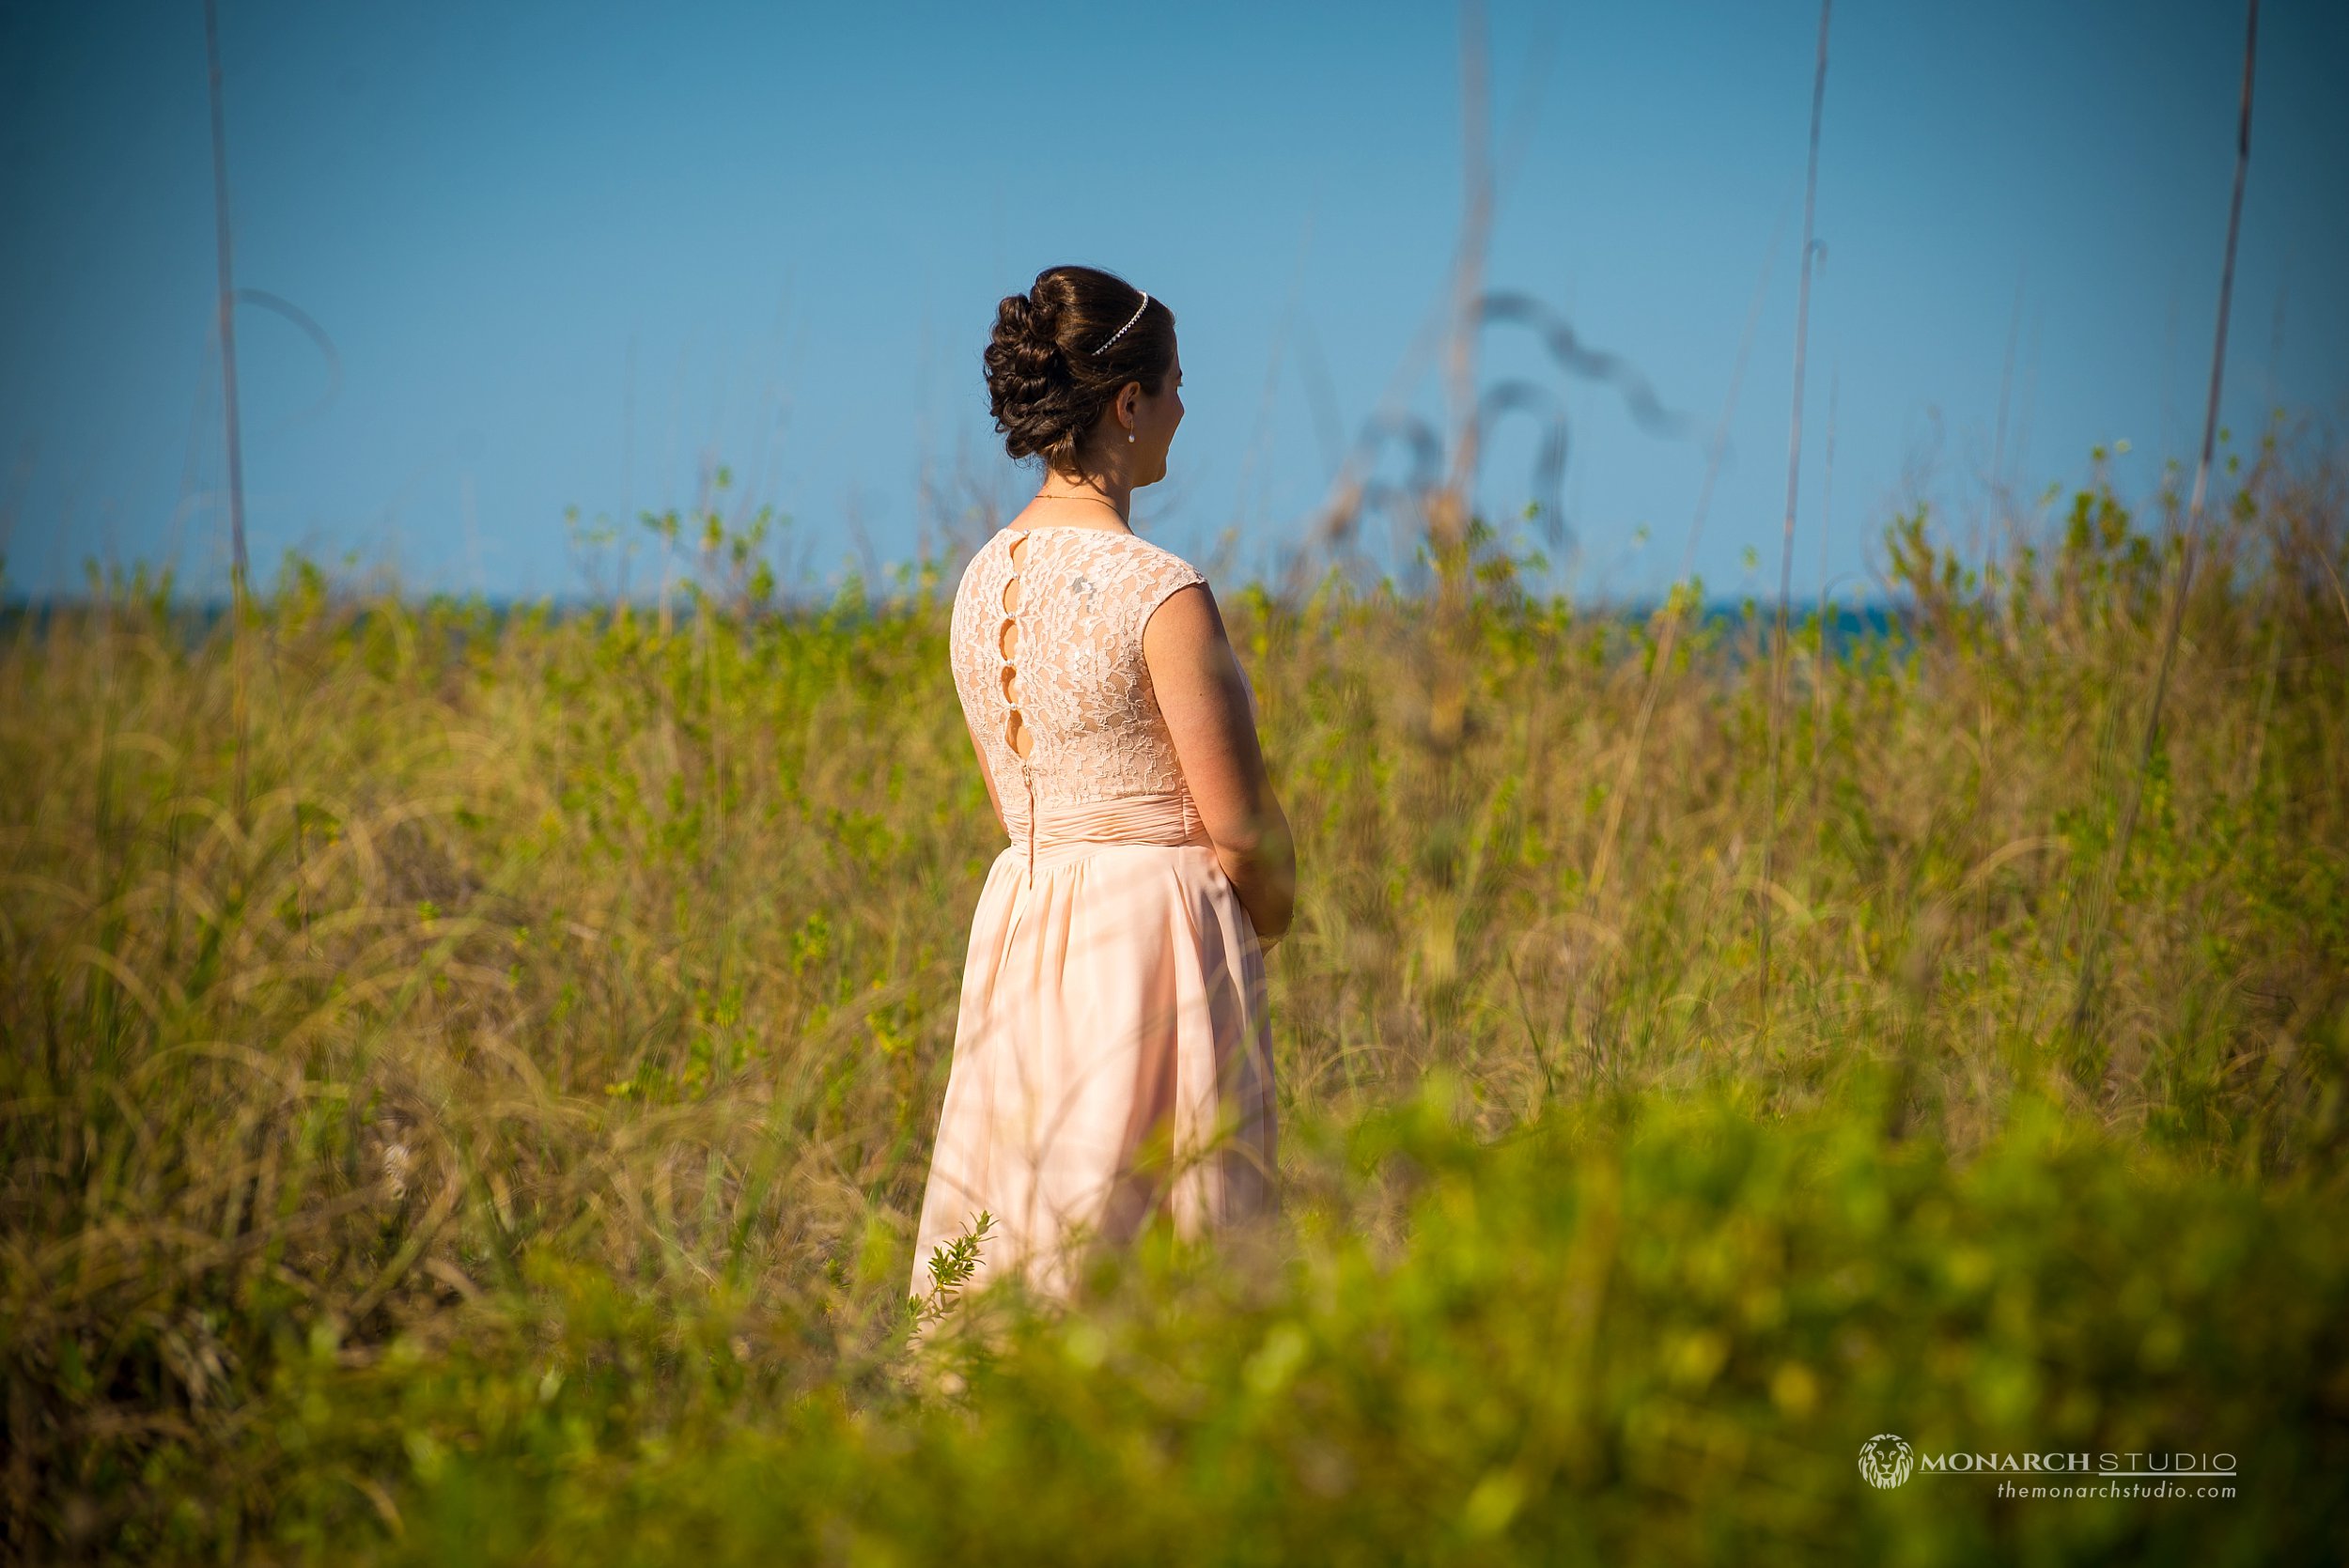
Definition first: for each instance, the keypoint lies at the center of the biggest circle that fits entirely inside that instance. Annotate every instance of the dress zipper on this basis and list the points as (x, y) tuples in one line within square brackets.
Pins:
[(1027, 776)]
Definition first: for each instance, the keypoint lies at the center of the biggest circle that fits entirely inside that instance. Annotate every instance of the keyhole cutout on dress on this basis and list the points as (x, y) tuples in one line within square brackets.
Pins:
[(1008, 642)]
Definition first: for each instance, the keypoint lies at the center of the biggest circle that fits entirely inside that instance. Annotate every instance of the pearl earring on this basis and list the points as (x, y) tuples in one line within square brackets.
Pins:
[(1130, 438)]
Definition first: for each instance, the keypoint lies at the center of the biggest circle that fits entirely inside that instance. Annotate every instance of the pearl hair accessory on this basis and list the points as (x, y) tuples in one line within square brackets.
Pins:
[(1131, 320)]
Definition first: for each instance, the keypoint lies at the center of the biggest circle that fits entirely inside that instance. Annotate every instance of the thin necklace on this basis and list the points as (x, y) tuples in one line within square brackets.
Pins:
[(1086, 495)]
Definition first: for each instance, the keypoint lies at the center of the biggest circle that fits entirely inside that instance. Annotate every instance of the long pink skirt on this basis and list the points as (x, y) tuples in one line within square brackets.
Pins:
[(1112, 1053)]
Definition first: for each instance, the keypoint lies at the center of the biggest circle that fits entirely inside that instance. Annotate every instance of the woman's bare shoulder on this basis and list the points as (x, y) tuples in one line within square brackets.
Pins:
[(1185, 622)]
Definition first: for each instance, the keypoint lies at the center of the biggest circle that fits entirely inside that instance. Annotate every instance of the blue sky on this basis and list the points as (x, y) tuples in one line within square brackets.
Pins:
[(574, 256)]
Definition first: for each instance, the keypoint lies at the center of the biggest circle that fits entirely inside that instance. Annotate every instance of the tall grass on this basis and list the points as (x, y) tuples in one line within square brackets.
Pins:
[(551, 981)]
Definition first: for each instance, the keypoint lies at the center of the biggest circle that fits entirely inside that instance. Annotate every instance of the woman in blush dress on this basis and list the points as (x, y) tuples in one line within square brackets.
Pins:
[(1112, 1053)]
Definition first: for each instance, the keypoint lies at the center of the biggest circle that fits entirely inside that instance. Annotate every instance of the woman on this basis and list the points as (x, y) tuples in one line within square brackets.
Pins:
[(1113, 1055)]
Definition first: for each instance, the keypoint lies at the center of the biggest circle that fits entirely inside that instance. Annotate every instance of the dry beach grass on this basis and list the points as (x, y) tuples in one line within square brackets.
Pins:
[(496, 1066)]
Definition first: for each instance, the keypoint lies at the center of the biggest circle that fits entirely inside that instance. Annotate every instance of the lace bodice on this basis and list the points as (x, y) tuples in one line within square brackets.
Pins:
[(1073, 670)]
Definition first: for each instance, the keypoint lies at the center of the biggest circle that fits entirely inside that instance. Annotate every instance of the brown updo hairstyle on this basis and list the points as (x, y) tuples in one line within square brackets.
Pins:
[(1047, 376)]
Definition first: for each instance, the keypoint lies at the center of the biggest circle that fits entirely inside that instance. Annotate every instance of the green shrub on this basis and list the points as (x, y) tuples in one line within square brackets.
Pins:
[(1660, 1338)]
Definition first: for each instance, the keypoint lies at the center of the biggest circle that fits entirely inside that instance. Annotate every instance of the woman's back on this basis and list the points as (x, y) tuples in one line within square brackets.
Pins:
[(1046, 649)]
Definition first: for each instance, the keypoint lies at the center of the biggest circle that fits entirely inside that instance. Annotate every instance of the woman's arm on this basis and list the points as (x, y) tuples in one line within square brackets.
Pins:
[(1204, 700)]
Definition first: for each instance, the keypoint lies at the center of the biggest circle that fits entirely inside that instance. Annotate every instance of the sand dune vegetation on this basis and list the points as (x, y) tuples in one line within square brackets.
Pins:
[(469, 1072)]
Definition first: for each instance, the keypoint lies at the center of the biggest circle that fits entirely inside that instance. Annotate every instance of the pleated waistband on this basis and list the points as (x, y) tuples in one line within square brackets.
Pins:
[(1066, 832)]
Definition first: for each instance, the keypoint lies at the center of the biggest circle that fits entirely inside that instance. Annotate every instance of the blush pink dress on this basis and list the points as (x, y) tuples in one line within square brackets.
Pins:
[(1112, 1053)]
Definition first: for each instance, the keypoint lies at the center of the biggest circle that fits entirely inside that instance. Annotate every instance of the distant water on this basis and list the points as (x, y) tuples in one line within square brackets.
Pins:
[(1846, 623), (197, 619)]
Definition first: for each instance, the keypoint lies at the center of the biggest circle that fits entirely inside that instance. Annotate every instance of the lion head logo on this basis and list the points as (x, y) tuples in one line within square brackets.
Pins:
[(1885, 1460)]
